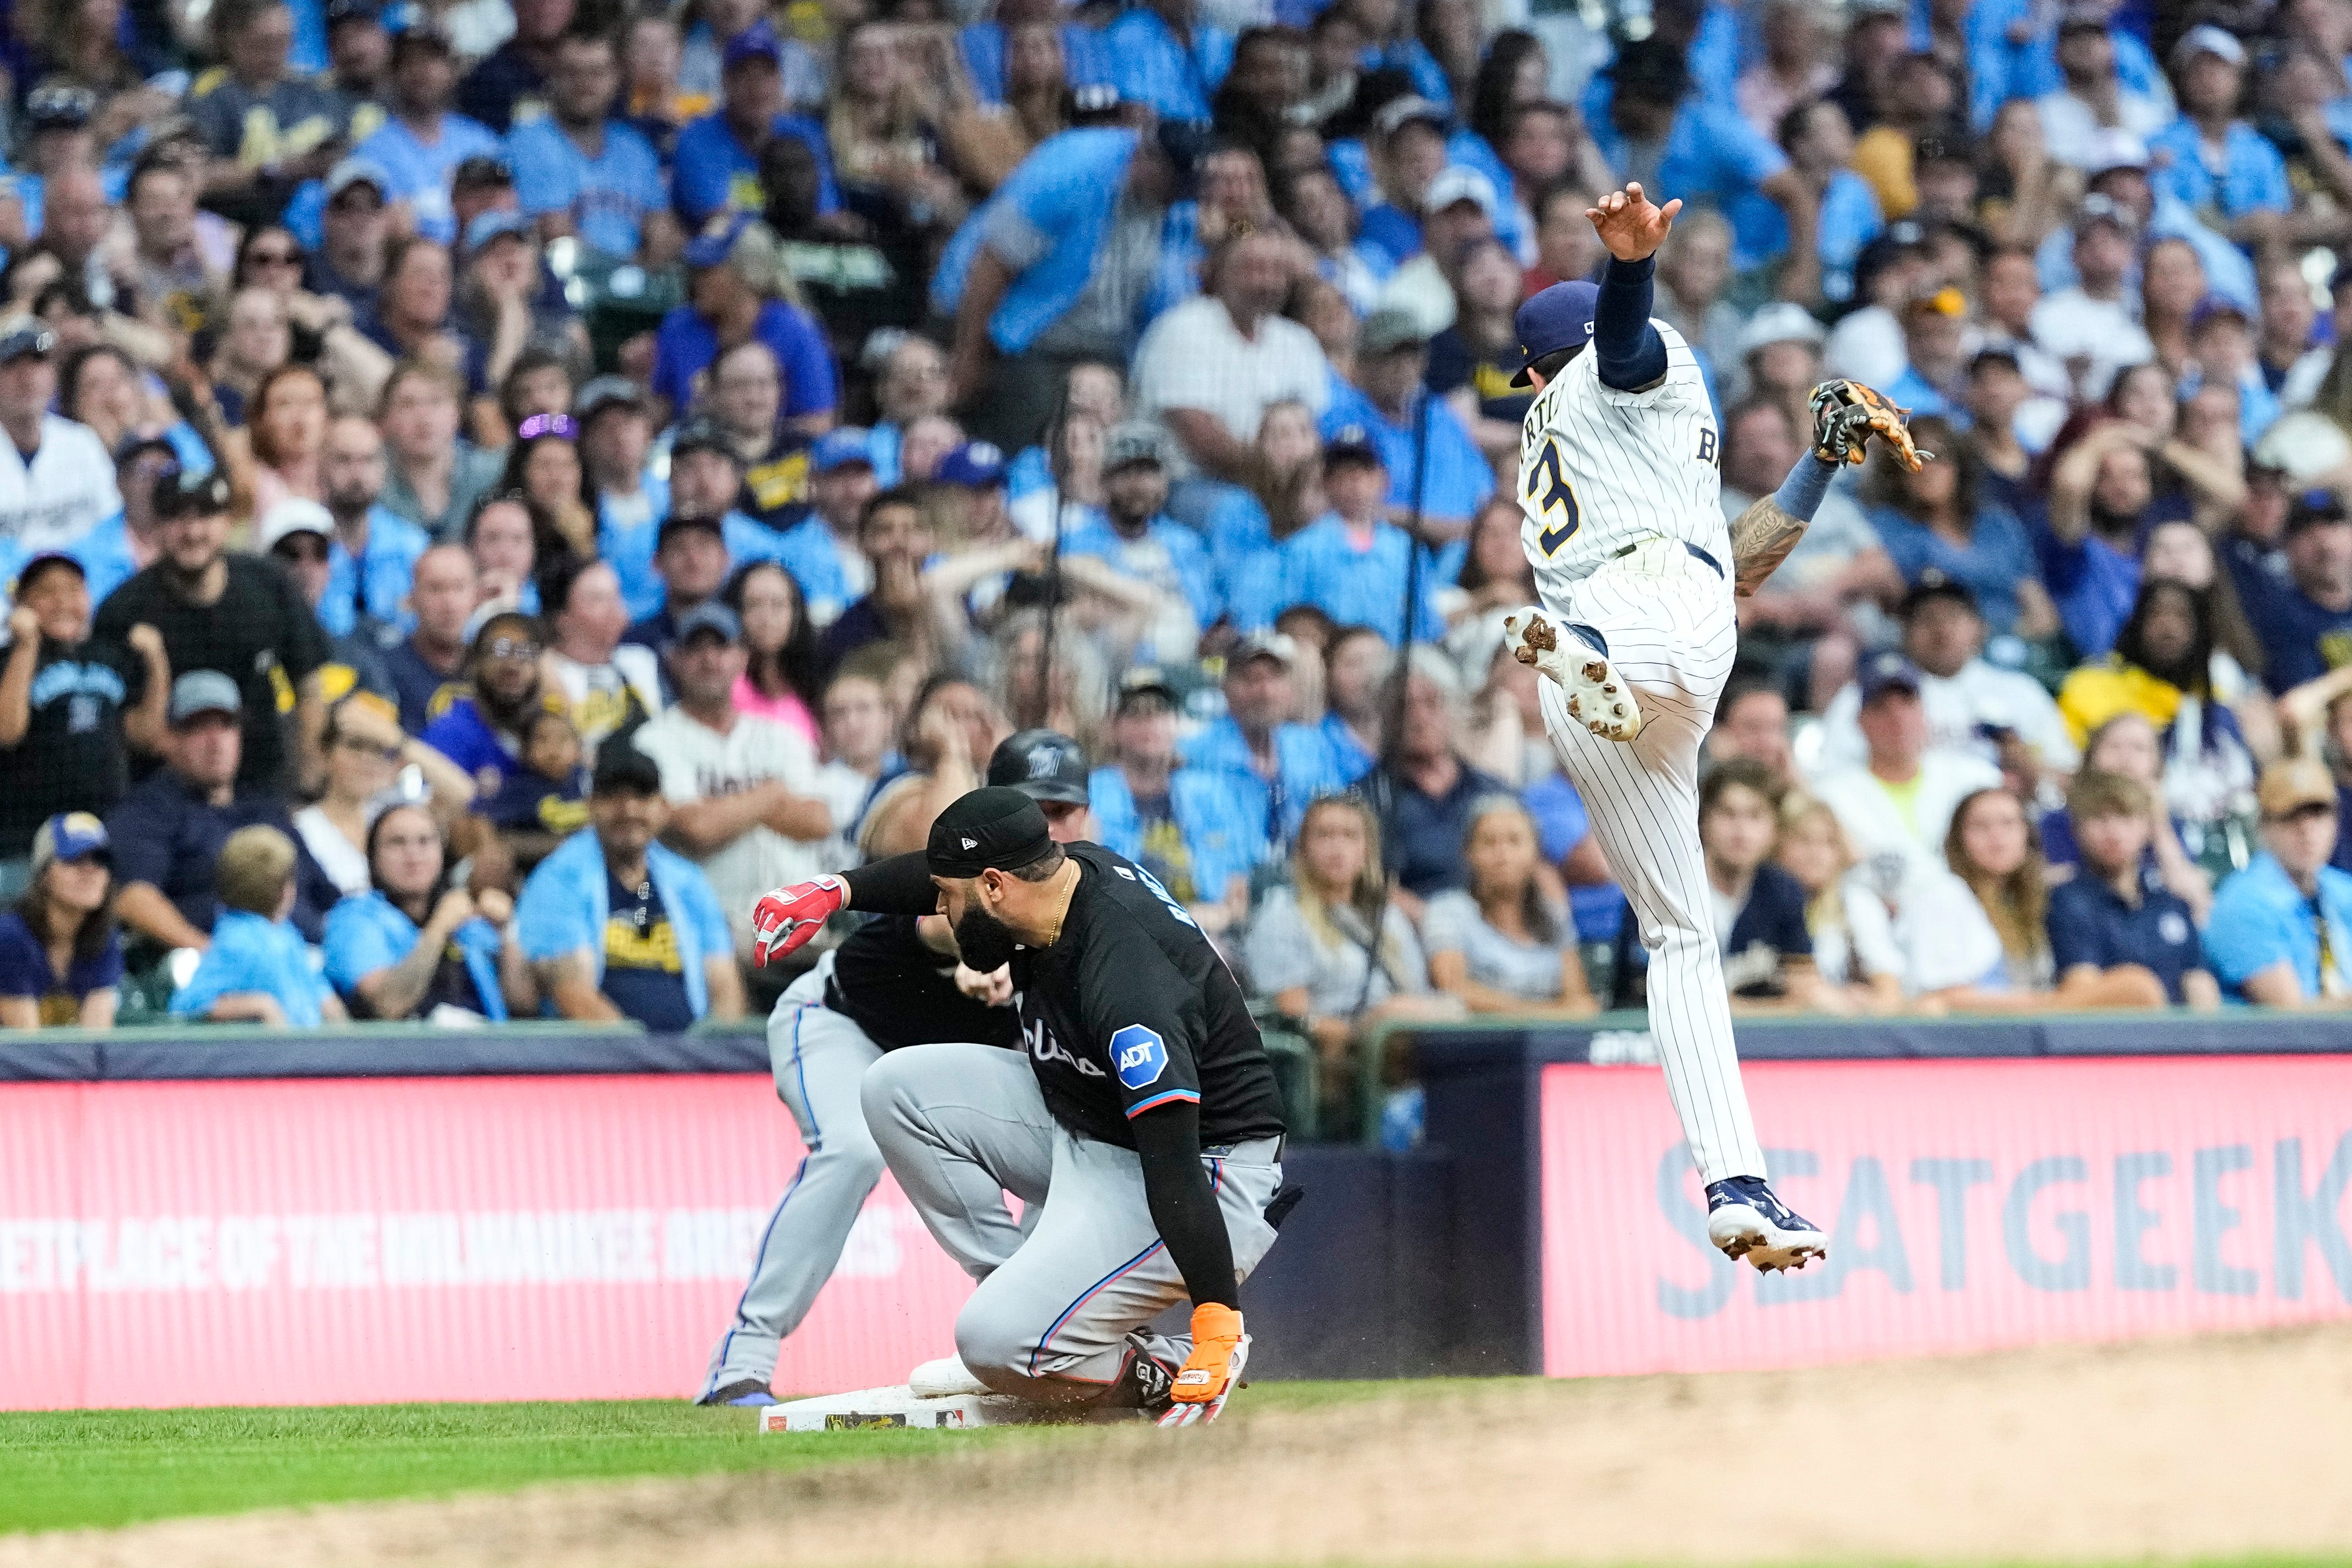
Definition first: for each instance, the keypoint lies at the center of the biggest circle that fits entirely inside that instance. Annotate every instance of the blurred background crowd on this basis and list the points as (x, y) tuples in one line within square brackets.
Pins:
[(492, 488)]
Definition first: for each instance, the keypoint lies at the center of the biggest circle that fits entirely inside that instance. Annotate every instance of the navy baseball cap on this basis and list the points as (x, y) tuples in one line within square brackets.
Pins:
[(1889, 672), (1558, 318), (709, 616), (756, 42), (977, 465)]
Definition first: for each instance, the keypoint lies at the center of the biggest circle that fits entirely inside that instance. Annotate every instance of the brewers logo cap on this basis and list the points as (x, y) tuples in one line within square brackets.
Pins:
[(1558, 318), (996, 827)]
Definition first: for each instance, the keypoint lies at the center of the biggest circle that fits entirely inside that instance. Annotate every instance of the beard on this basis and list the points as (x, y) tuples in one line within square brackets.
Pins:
[(985, 941)]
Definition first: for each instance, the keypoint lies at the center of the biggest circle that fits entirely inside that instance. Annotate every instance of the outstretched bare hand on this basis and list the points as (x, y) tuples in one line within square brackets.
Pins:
[(1629, 224)]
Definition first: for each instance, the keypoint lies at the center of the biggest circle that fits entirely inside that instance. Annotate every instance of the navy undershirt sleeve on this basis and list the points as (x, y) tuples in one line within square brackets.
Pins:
[(1632, 354)]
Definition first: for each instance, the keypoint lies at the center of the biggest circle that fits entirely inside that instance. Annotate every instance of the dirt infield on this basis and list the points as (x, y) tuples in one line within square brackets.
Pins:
[(2216, 1447)]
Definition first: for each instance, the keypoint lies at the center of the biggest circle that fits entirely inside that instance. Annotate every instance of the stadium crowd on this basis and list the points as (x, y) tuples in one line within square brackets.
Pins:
[(491, 489)]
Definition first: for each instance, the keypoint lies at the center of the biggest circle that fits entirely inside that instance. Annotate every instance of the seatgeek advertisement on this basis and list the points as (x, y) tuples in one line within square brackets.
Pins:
[(1970, 1204), (346, 1241)]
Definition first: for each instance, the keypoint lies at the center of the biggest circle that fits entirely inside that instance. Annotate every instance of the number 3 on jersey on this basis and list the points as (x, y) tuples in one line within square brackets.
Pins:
[(1546, 493)]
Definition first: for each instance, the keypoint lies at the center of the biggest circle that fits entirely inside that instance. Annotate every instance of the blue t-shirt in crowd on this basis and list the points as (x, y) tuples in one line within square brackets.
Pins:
[(465, 736), (685, 346), (25, 971), (1421, 837), (643, 975), (1356, 585), (1149, 63), (1996, 558), (2253, 177), (420, 171), (713, 172), (606, 197), (2089, 923), (2302, 639), (377, 585), (250, 953), (2261, 918)]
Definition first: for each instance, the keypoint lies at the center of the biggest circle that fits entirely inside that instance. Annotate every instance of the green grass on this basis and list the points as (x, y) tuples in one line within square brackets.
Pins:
[(68, 1468)]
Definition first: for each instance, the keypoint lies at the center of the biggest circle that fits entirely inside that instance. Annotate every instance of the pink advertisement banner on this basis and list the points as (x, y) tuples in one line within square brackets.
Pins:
[(335, 1241), (1971, 1206)]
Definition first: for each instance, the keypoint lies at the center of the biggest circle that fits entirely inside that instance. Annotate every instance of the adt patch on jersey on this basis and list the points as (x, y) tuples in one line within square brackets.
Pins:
[(1138, 1055)]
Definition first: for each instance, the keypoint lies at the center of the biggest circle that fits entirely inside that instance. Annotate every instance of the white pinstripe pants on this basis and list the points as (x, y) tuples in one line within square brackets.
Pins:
[(1671, 630)]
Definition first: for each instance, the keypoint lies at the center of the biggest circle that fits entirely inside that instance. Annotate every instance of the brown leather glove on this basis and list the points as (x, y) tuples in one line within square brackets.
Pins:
[(1846, 414)]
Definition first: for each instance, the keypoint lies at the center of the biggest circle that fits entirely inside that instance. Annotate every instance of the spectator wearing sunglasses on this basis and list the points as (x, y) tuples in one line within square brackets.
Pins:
[(484, 727), (365, 755), (299, 535)]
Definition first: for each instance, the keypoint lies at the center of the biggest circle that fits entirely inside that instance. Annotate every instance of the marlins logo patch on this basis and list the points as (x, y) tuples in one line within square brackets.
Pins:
[(1139, 1056)]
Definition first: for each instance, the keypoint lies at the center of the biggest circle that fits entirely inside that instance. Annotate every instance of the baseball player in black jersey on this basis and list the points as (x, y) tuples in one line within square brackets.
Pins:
[(1143, 1134), (894, 982)]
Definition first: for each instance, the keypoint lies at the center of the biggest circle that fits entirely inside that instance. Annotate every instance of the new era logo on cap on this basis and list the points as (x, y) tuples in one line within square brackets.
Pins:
[(971, 843)]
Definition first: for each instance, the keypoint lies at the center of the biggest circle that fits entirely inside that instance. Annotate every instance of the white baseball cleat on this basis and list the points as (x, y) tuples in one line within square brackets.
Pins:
[(1597, 698), (944, 1379), (1746, 1219)]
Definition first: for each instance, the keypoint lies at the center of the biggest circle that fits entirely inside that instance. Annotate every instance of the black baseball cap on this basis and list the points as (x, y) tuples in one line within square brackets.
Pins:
[(996, 828), (1145, 681), (623, 769), (677, 522), (2312, 508), (703, 435), (180, 494), (1043, 764), (1935, 583)]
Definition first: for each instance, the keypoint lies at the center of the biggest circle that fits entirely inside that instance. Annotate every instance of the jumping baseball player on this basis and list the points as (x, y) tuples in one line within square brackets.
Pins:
[(1143, 1134), (1619, 479), (895, 982)]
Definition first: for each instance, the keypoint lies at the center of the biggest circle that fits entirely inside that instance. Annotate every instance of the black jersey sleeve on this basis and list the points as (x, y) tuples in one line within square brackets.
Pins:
[(1148, 1017), (899, 886), (1183, 1202)]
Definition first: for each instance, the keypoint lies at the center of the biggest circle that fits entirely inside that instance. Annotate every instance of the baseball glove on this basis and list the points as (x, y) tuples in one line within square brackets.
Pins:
[(1846, 414)]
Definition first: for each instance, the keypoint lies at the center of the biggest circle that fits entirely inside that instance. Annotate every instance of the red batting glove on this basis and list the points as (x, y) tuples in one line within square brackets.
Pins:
[(789, 916)]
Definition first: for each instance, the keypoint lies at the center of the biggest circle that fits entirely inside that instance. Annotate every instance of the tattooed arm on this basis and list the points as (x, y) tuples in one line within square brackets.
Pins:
[(1763, 535)]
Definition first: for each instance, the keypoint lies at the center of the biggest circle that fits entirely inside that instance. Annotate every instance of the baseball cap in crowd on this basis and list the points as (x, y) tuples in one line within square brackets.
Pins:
[(484, 170), (1558, 317), (976, 464), (2312, 508), (623, 769), (2086, 17), (716, 243), (1456, 183), (1412, 109), (2114, 148), (756, 42), (422, 33), (1043, 764), (702, 436), (1390, 329), (1137, 441), (2292, 784), (1272, 645), (2205, 38), (181, 494), (496, 620), (356, 172), (606, 392), (24, 335), (134, 446), (1996, 353), (709, 618), (2214, 306), (39, 567), (1782, 321), (60, 108), (1936, 583), (69, 836), (1350, 444), (202, 692), (841, 448), (1948, 145), (295, 516), (1141, 682), (1888, 672), (680, 522), (496, 223), (2098, 209), (341, 11)]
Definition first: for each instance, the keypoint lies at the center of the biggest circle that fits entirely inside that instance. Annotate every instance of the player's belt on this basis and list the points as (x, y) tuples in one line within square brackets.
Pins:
[(1713, 565)]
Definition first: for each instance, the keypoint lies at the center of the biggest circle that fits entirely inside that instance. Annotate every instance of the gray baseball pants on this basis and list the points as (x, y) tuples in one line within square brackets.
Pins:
[(818, 1056), (962, 1125)]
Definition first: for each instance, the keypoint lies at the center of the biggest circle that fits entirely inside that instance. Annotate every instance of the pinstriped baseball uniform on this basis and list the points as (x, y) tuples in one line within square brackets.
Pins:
[(1620, 489)]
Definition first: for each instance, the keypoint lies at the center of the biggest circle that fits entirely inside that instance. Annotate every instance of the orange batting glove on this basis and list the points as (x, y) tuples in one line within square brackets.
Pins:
[(1213, 1369)]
